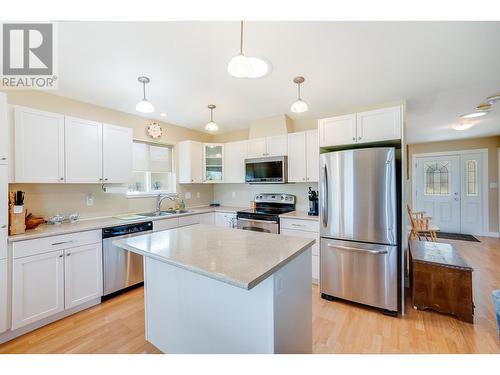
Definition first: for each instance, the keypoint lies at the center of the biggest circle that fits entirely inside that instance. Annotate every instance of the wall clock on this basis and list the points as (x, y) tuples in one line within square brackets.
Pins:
[(154, 130)]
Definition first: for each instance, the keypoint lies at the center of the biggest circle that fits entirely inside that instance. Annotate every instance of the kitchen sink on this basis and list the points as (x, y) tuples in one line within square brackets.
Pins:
[(165, 213)]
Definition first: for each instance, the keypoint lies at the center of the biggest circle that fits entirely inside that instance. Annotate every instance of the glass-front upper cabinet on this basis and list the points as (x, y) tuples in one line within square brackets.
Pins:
[(213, 162)]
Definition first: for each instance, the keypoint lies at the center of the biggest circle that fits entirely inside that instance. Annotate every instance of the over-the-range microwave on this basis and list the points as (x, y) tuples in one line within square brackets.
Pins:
[(268, 170)]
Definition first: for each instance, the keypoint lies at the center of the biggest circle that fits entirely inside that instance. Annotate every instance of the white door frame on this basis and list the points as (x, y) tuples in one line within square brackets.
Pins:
[(485, 183)]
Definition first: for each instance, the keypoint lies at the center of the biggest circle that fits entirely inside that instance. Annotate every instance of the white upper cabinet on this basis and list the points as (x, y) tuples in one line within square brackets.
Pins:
[(275, 145), (190, 162), (213, 162), (235, 154), (297, 163), (340, 130), (117, 143), (312, 160), (257, 147), (39, 146), (303, 156), (82, 274), (379, 125), (4, 139), (363, 127), (83, 150)]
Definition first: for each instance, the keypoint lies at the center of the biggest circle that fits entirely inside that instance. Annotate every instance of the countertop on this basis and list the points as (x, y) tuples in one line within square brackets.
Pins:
[(46, 230), (299, 215), (237, 257)]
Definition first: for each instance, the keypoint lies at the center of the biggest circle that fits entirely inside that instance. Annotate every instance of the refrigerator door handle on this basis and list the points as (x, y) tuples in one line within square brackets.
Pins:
[(324, 197), (348, 248)]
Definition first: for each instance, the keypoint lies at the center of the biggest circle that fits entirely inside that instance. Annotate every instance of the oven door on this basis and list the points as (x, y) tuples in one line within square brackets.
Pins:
[(265, 226)]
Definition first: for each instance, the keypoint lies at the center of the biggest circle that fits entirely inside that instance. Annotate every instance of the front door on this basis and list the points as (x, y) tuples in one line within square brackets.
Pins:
[(437, 190)]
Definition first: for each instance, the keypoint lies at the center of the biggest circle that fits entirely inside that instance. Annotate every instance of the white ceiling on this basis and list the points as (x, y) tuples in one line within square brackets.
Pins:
[(442, 69)]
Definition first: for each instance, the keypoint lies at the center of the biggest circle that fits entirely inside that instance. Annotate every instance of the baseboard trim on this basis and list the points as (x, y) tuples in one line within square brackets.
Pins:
[(491, 234), (10, 335)]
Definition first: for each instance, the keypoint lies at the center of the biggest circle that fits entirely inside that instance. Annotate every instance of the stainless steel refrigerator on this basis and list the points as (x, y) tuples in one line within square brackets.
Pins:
[(358, 222)]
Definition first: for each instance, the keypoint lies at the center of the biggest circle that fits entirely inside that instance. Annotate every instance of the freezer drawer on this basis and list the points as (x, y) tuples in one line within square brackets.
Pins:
[(360, 272)]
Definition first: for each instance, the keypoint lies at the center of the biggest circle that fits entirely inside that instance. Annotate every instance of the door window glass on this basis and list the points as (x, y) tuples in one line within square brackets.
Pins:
[(436, 178), (471, 177)]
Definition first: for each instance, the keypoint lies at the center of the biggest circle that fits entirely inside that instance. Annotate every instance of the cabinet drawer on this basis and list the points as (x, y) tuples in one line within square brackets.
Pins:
[(303, 234), (43, 245), (165, 224), (189, 220), (298, 224)]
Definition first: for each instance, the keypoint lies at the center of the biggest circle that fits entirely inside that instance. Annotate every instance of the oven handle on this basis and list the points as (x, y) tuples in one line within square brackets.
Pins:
[(258, 221)]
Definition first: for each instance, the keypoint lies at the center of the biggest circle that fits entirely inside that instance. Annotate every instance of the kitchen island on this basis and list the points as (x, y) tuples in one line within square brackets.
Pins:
[(218, 290)]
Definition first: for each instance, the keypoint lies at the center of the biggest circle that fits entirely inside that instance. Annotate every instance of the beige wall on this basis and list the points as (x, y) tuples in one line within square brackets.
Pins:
[(48, 199), (490, 143)]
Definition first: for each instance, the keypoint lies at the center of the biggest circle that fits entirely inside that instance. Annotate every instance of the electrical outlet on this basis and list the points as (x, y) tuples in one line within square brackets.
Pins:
[(90, 199), (187, 195), (198, 195), (233, 194)]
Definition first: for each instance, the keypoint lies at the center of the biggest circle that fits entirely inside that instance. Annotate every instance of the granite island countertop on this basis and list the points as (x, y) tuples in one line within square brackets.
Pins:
[(237, 257), (82, 225)]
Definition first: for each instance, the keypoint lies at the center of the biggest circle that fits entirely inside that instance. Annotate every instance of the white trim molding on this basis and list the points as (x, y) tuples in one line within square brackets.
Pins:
[(485, 184)]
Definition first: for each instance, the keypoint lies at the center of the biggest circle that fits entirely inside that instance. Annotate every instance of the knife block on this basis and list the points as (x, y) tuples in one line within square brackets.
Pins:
[(17, 221)]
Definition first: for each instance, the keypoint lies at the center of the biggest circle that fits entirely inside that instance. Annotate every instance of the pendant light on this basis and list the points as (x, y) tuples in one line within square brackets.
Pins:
[(211, 126), (144, 106), (242, 66), (299, 105)]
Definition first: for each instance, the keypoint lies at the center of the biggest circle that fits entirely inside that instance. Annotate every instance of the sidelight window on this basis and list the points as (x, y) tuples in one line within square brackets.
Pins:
[(471, 178)]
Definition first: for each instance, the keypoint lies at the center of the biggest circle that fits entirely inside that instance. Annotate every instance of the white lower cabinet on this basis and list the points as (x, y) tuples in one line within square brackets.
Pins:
[(165, 224), (48, 279), (189, 220), (37, 287), (304, 229), (208, 218), (82, 274), (225, 219), (3, 295)]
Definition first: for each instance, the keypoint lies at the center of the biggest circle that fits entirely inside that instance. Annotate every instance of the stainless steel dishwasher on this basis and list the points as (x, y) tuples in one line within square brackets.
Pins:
[(122, 269)]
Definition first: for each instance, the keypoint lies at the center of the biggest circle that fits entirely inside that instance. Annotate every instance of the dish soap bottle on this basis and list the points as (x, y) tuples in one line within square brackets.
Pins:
[(182, 205)]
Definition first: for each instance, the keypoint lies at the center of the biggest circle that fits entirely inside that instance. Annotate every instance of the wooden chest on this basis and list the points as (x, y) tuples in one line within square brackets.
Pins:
[(440, 279)]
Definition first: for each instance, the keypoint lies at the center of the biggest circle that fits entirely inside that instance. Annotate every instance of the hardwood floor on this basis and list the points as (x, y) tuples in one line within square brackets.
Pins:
[(117, 325)]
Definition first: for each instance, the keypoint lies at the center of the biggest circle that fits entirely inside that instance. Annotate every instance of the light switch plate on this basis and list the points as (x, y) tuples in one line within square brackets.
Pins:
[(90, 199), (187, 195), (233, 194), (198, 195), (493, 185)]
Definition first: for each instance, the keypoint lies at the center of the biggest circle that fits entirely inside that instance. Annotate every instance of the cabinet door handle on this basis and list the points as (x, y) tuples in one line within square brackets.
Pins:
[(359, 138), (4, 158), (60, 256), (100, 179), (298, 225), (105, 179), (68, 254), (61, 243), (3, 226), (61, 179)]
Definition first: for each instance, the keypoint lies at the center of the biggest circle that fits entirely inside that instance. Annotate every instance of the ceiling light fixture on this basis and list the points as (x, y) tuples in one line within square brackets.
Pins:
[(163, 114), (493, 98), (242, 66), (144, 106), (211, 126), (299, 105), (463, 126)]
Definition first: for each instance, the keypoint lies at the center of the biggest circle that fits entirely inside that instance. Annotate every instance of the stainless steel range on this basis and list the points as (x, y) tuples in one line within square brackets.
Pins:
[(265, 216)]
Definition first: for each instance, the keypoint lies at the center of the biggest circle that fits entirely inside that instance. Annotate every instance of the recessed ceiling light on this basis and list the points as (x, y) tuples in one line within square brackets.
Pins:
[(474, 114), (463, 126), (163, 114)]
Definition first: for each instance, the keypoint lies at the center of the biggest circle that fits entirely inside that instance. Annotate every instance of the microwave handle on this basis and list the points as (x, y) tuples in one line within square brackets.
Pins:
[(324, 197)]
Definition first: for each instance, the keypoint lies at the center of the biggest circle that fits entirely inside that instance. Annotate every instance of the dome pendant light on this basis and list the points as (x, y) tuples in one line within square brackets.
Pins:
[(211, 126), (144, 106), (299, 106), (242, 66)]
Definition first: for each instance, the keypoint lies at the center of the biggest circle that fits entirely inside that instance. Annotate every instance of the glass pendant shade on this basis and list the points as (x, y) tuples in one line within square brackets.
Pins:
[(211, 126), (247, 67), (144, 107), (299, 106)]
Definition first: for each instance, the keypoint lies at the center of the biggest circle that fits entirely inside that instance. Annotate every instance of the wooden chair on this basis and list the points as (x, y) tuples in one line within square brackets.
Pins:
[(421, 227)]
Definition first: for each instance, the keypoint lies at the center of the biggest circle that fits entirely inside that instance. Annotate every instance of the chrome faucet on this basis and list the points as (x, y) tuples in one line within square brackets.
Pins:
[(161, 197)]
